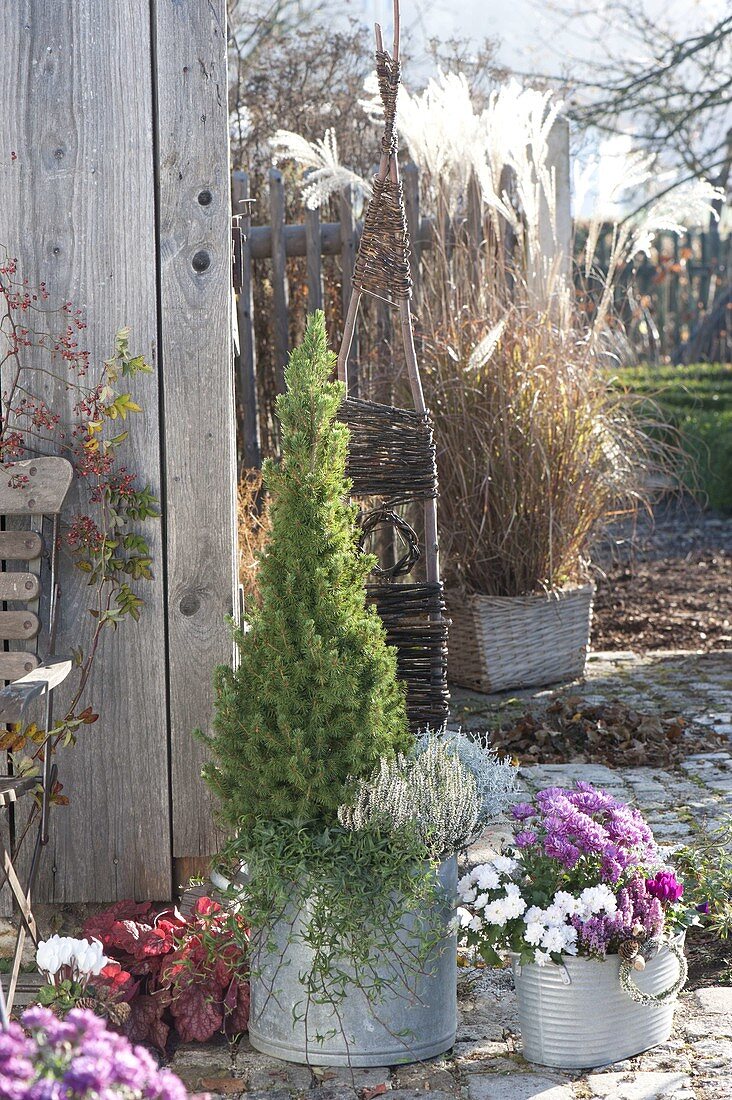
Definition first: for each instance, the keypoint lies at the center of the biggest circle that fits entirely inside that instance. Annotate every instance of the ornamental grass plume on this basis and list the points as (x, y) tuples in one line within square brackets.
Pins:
[(315, 697)]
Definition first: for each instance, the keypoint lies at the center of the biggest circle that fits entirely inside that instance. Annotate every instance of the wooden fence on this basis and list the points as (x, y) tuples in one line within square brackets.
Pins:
[(668, 299), (117, 196), (663, 300)]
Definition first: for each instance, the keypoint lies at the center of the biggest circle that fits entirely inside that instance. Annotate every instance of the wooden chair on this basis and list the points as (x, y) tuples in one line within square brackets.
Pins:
[(32, 494)]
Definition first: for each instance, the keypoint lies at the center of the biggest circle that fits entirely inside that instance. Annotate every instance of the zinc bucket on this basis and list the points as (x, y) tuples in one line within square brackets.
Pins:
[(577, 1015), (409, 1021)]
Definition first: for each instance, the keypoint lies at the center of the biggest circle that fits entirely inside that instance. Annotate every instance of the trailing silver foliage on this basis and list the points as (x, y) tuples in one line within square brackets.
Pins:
[(495, 776), (433, 790)]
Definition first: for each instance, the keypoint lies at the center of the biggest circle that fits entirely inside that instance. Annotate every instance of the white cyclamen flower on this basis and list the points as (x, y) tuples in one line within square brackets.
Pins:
[(90, 957), (48, 956)]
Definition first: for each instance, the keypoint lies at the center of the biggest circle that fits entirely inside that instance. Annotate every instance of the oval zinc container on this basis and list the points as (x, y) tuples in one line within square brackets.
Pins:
[(577, 1015)]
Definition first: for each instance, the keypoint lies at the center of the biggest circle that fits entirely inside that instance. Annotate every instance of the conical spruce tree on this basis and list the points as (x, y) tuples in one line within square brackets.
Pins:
[(315, 697)]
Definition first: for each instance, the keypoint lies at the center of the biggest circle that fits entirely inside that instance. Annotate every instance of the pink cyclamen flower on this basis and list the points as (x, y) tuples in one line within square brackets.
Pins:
[(666, 887)]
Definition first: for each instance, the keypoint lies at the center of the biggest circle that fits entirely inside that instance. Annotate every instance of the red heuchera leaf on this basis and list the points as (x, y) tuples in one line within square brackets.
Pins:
[(198, 1012), (100, 925), (146, 1023), (237, 1003), (205, 907)]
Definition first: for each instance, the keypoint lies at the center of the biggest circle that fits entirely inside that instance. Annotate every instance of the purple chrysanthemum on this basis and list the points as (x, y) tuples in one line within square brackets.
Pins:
[(77, 1057)]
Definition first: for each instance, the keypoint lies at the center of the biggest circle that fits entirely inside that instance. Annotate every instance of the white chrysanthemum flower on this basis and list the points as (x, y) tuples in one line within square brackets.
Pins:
[(596, 899), (487, 878), (534, 933), (567, 902), (554, 915), (481, 901), (476, 924), (469, 896), (515, 905), (534, 914), (496, 912), (465, 883), (554, 940), (465, 916), (542, 957), (505, 865)]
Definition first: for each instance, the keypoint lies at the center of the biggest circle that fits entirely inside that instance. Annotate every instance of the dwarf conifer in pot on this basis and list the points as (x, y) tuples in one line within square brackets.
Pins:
[(353, 945), (315, 697)]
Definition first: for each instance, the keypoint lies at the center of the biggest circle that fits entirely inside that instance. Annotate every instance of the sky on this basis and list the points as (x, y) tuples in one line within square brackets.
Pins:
[(535, 35)]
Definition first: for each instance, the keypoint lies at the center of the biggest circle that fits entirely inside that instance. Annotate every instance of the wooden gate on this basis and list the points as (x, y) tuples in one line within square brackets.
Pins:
[(115, 184)]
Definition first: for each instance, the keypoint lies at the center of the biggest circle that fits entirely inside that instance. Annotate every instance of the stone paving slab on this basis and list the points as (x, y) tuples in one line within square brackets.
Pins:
[(486, 1062)]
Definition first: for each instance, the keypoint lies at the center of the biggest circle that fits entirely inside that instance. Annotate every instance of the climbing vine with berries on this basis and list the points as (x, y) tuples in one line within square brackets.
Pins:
[(42, 352)]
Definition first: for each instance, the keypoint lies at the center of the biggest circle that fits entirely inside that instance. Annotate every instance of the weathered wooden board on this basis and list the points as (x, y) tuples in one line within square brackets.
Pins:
[(78, 210), (19, 586), (195, 327), (18, 625), (15, 664), (20, 545), (35, 487)]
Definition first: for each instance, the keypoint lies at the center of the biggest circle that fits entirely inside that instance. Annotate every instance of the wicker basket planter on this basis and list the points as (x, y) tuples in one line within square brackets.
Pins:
[(578, 1016), (502, 642)]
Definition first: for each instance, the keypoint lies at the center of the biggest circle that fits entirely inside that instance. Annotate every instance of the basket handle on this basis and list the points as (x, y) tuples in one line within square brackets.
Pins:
[(637, 995)]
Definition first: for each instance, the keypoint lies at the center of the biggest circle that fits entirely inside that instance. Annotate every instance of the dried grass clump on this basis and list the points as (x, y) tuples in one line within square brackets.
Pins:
[(535, 450), (253, 525)]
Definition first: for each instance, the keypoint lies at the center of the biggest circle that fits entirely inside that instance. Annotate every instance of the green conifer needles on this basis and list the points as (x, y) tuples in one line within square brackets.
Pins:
[(315, 698)]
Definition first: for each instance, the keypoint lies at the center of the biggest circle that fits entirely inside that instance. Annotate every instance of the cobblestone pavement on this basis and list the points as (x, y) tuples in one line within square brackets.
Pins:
[(486, 1062)]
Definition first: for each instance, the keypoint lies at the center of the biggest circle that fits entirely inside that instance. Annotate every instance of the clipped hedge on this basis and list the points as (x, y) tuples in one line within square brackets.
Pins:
[(697, 399)]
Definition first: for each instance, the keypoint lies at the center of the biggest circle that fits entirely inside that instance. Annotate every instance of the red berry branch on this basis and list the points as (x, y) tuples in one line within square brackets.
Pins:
[(42, 353)]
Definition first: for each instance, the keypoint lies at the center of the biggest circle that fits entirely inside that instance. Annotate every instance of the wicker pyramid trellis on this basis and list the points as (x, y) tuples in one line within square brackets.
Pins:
[(391, 451)]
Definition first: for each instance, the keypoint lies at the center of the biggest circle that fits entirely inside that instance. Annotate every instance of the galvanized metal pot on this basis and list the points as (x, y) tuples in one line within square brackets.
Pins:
[(412, 1019), (577, 1016)]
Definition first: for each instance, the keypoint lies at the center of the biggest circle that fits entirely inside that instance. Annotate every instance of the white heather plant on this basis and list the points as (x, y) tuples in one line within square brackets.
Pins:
[(495, 777), (450, 788), (432, 791)]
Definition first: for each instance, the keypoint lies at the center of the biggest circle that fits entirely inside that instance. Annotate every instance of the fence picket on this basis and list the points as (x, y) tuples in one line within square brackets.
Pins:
[(313, 251), (349, 241), (246, 361), (280, 291)]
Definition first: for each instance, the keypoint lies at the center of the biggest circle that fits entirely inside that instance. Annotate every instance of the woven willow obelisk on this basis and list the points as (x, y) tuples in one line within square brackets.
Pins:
[(392, 453)]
